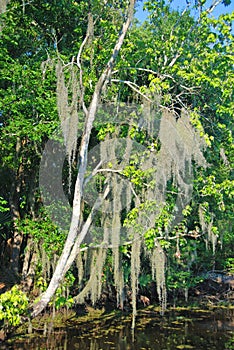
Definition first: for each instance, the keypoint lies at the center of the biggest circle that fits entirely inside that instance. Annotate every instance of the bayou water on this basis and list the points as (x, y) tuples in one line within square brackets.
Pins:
[(177, 329)]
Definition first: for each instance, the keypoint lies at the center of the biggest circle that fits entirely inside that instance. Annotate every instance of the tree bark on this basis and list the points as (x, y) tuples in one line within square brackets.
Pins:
[(17, 238), (63, 264)]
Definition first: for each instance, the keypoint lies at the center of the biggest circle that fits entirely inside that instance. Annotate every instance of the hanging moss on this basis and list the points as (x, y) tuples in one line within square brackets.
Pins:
[(180, 145), (80, 268), (46, 264), (97, 265), (158, 264), (93, 287), (3, 5), (135, 270), (68, 110), (206, 222)]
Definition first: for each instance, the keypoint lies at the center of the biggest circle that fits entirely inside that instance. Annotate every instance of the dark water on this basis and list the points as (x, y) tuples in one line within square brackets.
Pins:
[(208, 330)]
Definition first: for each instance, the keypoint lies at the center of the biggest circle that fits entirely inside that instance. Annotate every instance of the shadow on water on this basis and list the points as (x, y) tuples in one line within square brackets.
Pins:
[(197, 329)]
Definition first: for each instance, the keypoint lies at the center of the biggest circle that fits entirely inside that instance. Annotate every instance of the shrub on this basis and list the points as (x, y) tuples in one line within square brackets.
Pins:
[(13, 304)]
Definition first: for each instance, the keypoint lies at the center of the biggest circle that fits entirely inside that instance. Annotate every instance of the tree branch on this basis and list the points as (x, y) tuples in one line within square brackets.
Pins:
[(78, 59), (213, 6), (133, 86)]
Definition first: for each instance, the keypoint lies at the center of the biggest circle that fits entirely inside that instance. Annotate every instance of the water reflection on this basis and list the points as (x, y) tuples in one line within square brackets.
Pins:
[(177, 330)]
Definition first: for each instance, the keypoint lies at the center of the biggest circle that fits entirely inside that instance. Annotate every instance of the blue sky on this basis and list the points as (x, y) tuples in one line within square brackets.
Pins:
[(220, 9)]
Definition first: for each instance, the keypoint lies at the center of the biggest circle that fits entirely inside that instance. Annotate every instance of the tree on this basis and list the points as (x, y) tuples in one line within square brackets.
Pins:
[(75, 238), (164, 78)]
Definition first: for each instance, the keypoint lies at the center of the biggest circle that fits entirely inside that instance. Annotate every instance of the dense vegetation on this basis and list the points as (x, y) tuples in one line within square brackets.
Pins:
[(156, 194)]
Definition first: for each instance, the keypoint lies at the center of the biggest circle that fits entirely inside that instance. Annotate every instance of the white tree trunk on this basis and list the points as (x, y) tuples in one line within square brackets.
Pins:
[(73, 236)]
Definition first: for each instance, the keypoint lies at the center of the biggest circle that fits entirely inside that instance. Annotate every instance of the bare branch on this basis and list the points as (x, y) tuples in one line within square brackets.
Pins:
[(160, 75), (110, 170), (78, 59), (191, 234), (94, 172), (213, 6), (133, 86), (175, 58)]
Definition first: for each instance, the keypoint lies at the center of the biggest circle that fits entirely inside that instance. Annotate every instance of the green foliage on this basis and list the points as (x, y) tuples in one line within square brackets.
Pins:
[(44, 230), (144, 280), (229, 344), (105, 129), (13, 304), (137, 176), (5, 216), (184, 264), (41, 283), (3, 205), (61, 298), (230, 265), (180, 280), (61, 301)]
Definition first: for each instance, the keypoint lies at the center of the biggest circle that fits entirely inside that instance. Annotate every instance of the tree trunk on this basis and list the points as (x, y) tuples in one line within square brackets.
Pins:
[(62, 265), (15, 211)]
